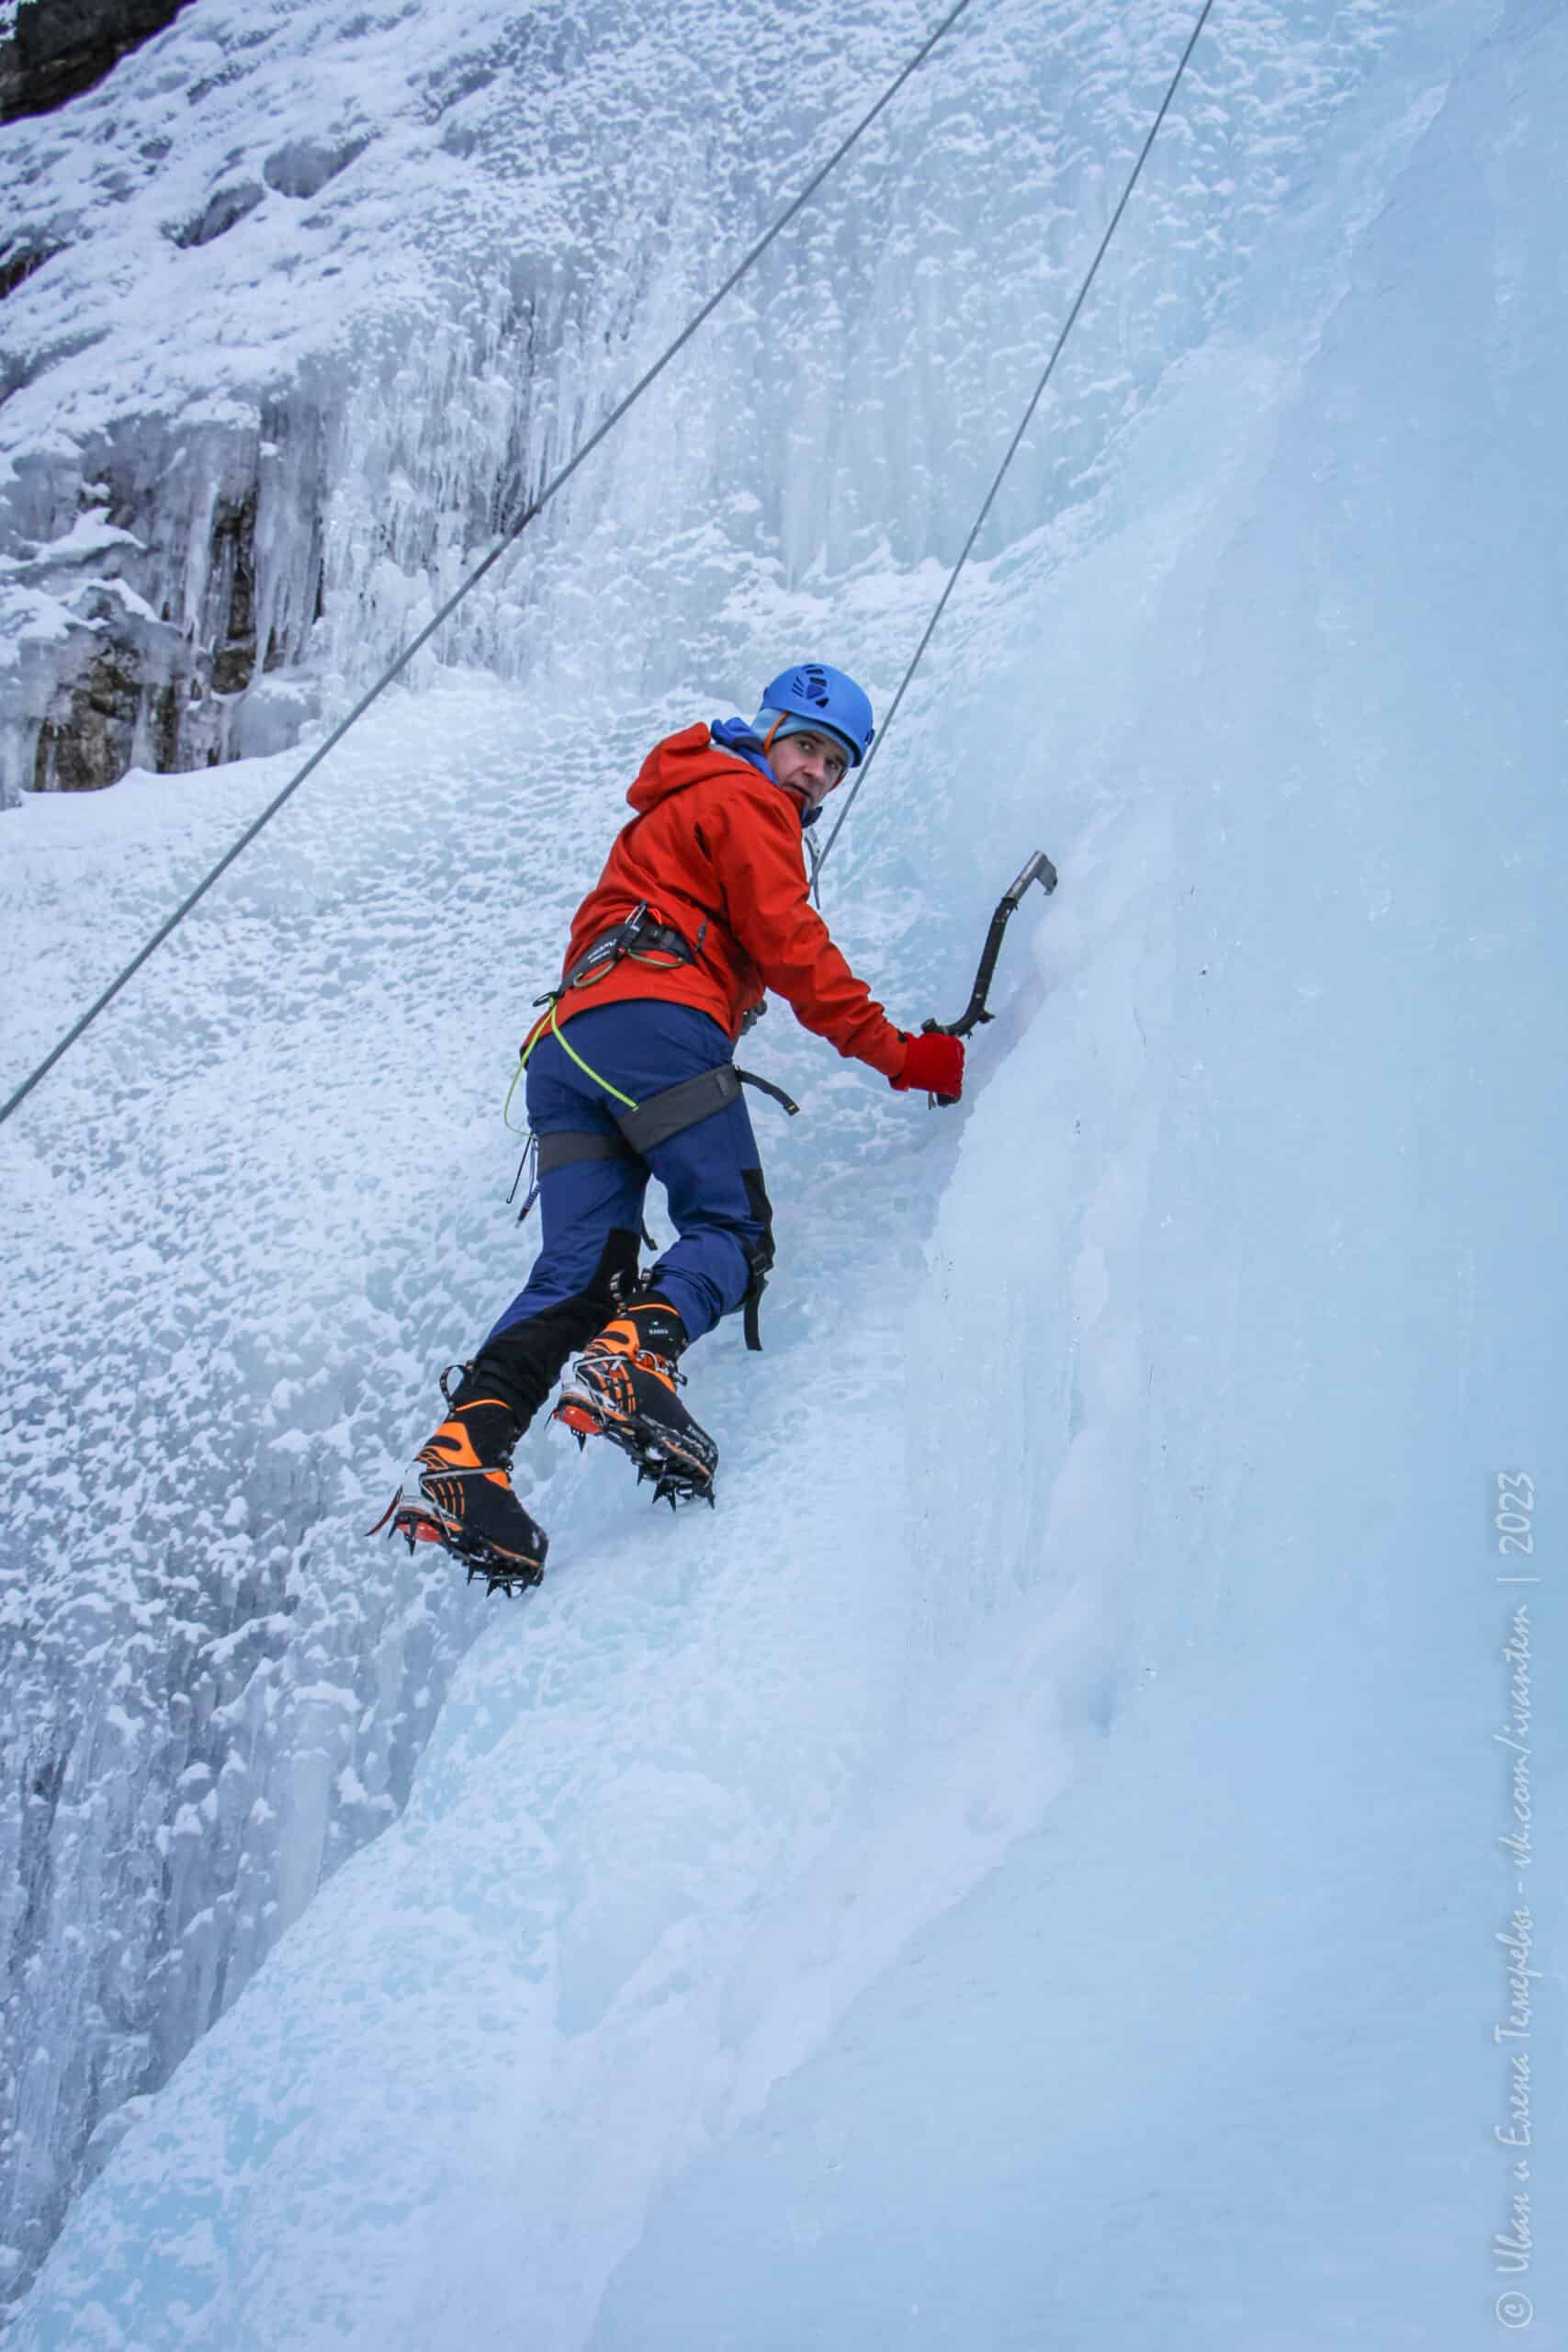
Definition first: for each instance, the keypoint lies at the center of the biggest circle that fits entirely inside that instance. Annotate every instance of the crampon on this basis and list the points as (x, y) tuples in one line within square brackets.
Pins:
[(677, 1478), (620, 1388), (410, 1515), (456, 1493)]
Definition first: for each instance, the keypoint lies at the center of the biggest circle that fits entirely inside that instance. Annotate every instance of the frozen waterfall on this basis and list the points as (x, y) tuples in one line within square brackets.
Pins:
[(1028, 1868)]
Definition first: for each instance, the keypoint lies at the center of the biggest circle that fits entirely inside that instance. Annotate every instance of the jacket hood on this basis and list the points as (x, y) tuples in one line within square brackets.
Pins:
[(694, 756), (680, 760)]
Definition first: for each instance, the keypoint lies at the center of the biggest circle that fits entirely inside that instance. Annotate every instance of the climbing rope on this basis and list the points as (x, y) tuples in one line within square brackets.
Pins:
[(557, 482), (1035, 398)]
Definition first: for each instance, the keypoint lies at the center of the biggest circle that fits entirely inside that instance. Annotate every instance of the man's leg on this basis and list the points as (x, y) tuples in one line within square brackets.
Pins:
[(589, 1221), (624, 1384), (713, 1184), (460, 1491), (591, 1216)]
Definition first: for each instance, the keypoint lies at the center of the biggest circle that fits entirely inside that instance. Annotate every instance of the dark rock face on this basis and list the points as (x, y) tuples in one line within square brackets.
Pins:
[(62, 47), (19, 257), (232, 588), (90, 745), (183, 614)]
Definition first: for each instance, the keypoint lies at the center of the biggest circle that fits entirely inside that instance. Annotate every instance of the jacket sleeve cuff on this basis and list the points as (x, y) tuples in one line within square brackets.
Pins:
[(889, 1058)]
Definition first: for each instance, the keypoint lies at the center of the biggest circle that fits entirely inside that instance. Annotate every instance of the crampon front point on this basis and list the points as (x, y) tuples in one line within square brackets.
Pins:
[(418, 1517), (677, 1468)]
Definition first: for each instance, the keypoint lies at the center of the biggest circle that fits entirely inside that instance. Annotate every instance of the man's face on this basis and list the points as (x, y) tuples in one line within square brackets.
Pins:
[(810, 763)]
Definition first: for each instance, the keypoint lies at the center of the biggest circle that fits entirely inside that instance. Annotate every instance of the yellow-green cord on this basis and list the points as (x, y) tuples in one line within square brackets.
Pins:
[(554, 1023), (582, 1065)]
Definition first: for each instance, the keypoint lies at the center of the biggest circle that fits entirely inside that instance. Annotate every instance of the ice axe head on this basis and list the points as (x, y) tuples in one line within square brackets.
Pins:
[(1038, 869)]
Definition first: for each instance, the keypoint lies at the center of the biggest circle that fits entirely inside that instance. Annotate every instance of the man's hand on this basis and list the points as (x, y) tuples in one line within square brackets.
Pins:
[(932, 1065)]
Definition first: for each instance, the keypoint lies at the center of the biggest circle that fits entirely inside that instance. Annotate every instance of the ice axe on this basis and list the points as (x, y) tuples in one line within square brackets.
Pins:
[(1038, 869)]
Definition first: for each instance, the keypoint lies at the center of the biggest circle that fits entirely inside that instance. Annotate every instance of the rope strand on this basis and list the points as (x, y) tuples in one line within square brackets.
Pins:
[(1035, 400), (557, 482)]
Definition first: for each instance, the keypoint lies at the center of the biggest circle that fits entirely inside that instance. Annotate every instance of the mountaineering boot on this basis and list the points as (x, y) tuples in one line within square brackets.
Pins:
[(456, 1491), (623, 1388)]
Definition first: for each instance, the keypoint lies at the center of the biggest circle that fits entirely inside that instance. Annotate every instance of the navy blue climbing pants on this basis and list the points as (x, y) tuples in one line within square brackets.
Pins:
[(591, 1211)]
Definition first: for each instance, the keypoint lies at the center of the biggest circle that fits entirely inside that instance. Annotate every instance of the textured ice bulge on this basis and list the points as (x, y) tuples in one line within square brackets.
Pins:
[(1027, 1868)]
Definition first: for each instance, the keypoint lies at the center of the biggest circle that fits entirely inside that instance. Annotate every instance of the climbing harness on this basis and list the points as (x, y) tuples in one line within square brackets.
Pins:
[(643, 938), (644, 1125)]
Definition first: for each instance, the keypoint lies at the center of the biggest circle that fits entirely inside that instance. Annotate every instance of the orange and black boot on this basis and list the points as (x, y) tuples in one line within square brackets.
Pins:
[(457, 1491), (623, 1388)]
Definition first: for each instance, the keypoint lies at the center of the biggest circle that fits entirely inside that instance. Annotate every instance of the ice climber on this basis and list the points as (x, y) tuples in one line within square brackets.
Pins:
[(702, 906)]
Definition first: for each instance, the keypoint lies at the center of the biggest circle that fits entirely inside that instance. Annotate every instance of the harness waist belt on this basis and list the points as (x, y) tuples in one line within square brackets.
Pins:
[(639, 936)]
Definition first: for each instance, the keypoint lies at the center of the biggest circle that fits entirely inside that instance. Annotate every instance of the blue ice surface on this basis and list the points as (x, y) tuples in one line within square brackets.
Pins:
[(1209, 2058), (1027, 1870)]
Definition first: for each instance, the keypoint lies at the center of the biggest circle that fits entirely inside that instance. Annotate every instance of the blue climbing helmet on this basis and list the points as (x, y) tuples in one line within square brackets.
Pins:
[(826, 697)]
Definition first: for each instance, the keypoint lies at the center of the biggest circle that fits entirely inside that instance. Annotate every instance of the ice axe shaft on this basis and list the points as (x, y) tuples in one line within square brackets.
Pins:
[(1038, 869)]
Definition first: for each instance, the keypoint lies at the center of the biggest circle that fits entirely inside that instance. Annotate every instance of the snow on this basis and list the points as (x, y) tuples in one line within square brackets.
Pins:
[(1028, 1867), (525, 217)]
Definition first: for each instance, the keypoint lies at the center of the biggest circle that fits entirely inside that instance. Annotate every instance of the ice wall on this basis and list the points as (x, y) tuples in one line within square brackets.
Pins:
[(255, 1218), (1224, 2052), (398, 263)]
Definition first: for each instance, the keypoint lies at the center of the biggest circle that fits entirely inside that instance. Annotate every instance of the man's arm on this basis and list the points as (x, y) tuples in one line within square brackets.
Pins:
[(757, 859)]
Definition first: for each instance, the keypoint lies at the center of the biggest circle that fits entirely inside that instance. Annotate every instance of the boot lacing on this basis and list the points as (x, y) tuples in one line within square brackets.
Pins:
[(647, 1360)]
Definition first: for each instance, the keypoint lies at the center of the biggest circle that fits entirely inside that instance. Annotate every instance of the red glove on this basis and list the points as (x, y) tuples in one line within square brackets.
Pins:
[(934, 1065)]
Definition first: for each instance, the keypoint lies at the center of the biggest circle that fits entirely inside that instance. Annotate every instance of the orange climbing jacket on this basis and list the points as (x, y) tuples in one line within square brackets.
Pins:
[(715, 854)]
